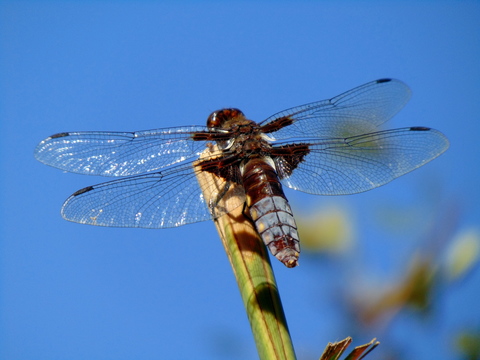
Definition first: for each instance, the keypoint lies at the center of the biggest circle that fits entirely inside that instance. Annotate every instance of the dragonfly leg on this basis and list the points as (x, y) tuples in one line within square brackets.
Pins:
[(214, 203)]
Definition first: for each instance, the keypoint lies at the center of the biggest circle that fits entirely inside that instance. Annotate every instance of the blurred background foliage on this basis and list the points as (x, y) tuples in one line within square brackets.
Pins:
[(444, 254)]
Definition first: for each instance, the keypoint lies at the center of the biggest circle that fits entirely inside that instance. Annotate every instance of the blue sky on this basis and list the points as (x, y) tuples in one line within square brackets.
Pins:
[(74, 292)]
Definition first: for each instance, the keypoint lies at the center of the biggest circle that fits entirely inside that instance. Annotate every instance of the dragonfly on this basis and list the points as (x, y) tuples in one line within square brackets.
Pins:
[(328, 147)]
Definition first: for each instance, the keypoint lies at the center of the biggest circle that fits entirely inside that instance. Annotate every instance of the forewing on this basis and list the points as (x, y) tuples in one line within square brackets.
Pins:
[(359, 163), (360, 110), (120, 153), (155, 200)]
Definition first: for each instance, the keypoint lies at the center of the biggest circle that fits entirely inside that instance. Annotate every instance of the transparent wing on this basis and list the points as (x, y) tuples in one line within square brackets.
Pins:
[(362, 162), (120, 153), (155, 200), (357, 111)]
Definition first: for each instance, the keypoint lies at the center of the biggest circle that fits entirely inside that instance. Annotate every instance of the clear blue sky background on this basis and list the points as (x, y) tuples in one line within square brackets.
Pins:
[(78, 292)]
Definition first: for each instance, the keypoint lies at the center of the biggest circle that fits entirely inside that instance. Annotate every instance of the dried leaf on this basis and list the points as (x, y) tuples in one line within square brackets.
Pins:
[(333, 351)]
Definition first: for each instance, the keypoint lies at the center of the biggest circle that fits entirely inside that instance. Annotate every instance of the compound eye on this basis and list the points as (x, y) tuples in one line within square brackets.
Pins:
[(218, 118), (234, 113), (214, 121)]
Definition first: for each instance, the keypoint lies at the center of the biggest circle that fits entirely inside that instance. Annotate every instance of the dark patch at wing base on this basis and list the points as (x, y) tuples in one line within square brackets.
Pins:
[(277, 124), (210, 136), (224, 167), (289, 156)]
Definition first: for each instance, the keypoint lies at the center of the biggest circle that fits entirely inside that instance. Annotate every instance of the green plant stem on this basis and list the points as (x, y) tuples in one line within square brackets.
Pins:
[(253, 271)]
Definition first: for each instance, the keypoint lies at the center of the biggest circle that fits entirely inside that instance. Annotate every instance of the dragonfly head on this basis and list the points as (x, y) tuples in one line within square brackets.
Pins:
[(219, 118)]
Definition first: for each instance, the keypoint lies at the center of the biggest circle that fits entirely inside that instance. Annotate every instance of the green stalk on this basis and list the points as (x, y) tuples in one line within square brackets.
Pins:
[(253, 271)]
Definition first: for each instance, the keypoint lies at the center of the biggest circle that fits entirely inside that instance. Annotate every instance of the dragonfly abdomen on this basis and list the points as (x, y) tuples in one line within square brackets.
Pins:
[(270, 211)]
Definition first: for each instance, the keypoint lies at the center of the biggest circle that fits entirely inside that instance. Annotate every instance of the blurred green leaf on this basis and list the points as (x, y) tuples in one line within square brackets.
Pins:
[(463, 254), (468, 343), (329, 230)]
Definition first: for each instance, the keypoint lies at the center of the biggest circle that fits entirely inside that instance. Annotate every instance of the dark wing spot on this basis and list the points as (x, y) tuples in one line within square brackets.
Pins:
[(419, 128), (379, 81), (82, 191), (59, 135)]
